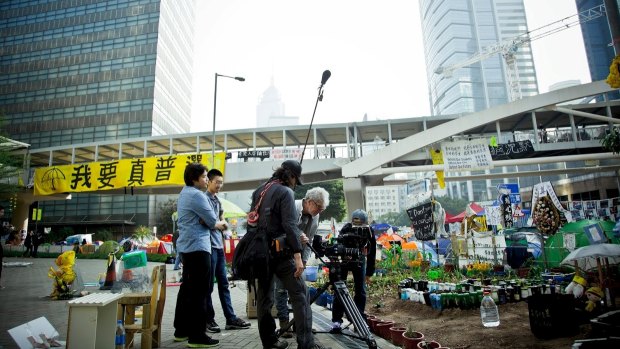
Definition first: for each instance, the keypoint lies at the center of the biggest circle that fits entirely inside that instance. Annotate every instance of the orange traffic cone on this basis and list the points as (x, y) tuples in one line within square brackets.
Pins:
[(110, 276)]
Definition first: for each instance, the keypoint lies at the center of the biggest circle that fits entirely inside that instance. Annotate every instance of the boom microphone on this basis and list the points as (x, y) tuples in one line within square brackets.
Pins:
[(324, 78), (326, 75)]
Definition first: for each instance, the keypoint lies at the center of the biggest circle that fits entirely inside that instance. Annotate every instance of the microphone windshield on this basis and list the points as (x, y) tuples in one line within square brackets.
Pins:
[(326, 75)]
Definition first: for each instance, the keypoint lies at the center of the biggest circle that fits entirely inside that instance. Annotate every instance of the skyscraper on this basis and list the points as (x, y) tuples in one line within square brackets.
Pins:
[(455, 30), (597, 42), (95, 70)]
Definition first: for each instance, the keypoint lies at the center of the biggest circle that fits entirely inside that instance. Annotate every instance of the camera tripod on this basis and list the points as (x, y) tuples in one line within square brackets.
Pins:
[(342, 293)]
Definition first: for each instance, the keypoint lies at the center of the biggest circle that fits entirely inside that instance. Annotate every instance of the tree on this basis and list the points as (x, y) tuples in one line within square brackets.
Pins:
[(337, 208), (164, 216), (452, 206), (399, 219)]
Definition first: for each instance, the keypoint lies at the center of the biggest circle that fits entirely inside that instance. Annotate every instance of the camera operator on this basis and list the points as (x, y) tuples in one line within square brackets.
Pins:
[(308, 210), (362, 271), (278, 214)]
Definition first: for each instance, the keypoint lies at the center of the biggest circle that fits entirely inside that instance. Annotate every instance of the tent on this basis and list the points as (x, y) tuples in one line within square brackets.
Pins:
[(555, 249), (386, 238), (419, 246), (473, 207)]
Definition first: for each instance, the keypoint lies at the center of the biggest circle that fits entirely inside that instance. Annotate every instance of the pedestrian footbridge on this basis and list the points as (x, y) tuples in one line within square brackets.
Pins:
[(573, 121)]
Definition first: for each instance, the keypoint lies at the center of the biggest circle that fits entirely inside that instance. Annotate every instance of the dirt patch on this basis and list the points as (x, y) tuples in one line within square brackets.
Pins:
[(455, 328)]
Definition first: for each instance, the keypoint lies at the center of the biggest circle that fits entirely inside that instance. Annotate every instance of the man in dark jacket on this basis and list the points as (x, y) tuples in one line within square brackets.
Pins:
[(277, 214), (362, 271)]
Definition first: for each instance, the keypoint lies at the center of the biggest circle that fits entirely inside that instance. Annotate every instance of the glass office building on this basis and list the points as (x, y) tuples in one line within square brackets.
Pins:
[(597, 42), (455, 30), (95, 70)]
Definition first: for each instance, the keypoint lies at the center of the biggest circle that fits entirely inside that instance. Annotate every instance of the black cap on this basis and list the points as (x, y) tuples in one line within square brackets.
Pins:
[(295, 168)]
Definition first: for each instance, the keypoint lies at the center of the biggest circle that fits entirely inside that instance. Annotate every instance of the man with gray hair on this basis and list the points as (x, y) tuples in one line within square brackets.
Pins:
[(308, 210)]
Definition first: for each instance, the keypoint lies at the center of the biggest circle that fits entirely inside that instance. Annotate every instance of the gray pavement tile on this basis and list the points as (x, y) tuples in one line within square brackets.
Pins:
[(26, 297)]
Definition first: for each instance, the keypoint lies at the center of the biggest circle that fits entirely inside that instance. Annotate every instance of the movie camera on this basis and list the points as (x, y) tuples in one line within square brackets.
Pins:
[(347, 247)]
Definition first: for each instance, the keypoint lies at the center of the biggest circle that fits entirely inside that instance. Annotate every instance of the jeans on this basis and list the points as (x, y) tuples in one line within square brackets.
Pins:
[(284, 269), (359, 282), (177, 262), (218, 270), (190, 315)]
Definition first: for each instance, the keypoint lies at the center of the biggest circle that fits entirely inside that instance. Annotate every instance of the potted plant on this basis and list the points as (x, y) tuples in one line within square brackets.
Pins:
[(396, 334), (383, 329), (411, 338), (428, 345)]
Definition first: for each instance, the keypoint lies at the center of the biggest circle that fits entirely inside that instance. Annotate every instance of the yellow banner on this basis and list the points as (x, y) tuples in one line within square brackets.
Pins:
[(437, 158), (118, 174)]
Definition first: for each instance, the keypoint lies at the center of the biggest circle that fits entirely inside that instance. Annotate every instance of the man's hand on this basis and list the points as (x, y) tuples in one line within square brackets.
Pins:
[(299, 265), (303, 238), (368, 280)]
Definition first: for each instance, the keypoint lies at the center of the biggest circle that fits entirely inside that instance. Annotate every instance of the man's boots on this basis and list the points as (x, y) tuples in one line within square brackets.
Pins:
[(287, 334)]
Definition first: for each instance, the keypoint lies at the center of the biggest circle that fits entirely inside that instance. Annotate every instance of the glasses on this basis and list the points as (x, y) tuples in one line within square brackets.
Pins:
[(318, 207), (218, 182)]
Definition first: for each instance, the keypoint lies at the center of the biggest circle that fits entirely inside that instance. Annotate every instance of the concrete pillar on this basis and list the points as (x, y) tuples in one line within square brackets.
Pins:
[(21, 214), (354, 190)]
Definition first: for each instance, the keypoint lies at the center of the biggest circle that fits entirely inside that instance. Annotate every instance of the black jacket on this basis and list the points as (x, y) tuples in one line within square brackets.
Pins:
[(277, 214), (372, 248)]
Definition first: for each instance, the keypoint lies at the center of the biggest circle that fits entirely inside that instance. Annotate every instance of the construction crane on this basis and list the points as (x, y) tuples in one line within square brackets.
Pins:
[(508, 48)]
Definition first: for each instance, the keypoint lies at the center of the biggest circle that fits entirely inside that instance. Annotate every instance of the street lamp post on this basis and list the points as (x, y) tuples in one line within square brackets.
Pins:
[(238, 78)]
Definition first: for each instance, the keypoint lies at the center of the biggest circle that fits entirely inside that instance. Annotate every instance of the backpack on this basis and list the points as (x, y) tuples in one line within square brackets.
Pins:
[(251, 257), (252, 254)]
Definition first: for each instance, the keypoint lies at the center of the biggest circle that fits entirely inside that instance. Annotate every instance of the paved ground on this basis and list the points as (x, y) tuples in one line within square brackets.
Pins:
[(25, 297)]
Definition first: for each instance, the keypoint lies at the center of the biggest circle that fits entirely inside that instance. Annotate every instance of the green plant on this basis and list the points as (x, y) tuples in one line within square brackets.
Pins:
[(410, 332), (141, 233), (611, 142)]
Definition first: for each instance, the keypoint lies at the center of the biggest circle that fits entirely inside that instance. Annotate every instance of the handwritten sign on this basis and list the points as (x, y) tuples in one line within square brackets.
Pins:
[(512, 150), (422, 221), (466, 155)]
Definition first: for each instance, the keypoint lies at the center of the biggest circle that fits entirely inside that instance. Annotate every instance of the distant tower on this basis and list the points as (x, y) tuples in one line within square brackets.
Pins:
[(270, 110)]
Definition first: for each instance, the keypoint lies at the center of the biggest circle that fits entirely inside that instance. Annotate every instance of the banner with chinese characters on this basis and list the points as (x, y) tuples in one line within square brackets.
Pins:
[(466, 155), (118, 174)]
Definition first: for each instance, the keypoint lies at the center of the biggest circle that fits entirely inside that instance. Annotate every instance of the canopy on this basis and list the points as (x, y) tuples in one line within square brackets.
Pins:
[(231, 210)]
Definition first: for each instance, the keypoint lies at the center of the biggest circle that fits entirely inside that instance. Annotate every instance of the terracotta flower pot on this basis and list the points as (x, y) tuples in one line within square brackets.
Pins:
[(428, 345), (368, 318), (373, 324), (396, 334), (412, 342), (383, 329)]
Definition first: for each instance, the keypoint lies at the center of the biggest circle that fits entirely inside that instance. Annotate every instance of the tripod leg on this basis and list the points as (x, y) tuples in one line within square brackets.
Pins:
[(291, 322), (354, 314)]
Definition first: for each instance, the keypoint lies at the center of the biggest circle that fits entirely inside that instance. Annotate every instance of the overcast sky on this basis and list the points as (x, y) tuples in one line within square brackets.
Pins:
[(373, 49)]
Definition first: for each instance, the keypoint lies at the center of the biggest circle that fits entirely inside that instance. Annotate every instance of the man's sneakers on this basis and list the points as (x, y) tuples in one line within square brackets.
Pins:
[(213, 327), (179, 337), (278, 345), (203, 342), (237, 324)]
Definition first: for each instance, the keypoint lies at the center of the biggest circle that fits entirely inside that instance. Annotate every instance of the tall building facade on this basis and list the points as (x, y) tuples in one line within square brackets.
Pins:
[(455, 30), (384, 199), (95, 70), (597, 42)]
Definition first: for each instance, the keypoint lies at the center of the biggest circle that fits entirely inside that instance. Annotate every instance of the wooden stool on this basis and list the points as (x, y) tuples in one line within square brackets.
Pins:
[(152, 311)]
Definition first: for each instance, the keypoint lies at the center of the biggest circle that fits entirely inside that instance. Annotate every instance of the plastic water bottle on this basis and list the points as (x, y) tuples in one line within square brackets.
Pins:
[(120, 335), (488, 311)]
